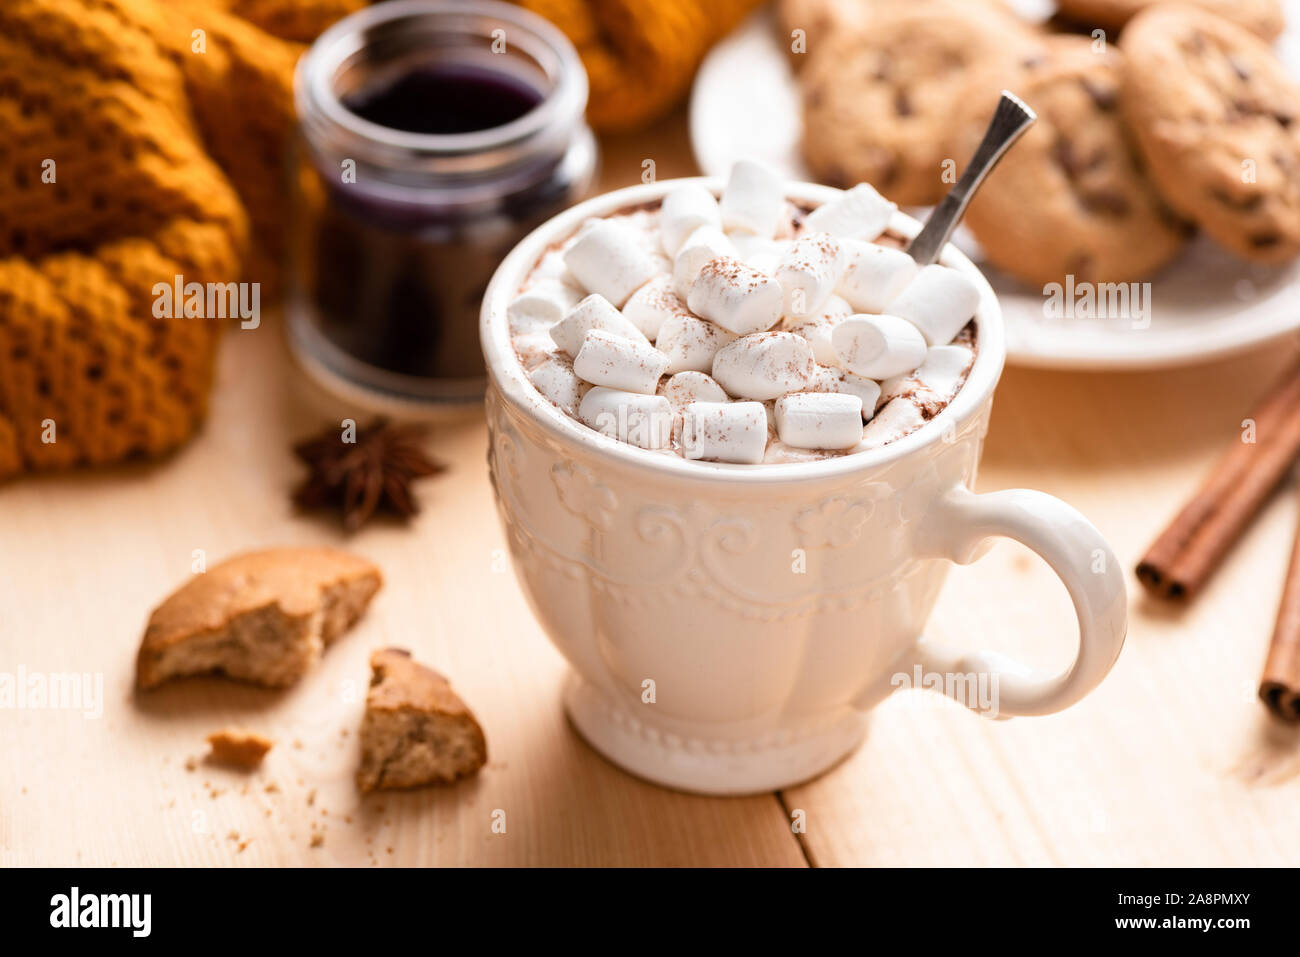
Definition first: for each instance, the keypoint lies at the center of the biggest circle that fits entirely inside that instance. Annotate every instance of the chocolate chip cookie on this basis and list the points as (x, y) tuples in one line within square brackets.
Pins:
[(1070, 198), (1262, 17), (878, 100), (1218, 121), (818, 20)]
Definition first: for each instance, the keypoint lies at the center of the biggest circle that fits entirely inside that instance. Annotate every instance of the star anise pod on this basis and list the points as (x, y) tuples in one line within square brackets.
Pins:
[(375, 471)]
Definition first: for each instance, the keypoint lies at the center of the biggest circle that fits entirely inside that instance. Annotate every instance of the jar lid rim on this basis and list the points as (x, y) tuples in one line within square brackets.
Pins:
[(320, 105)]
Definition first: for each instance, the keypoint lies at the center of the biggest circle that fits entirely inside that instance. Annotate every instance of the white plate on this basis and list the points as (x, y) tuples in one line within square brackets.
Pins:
[(1205, 305)]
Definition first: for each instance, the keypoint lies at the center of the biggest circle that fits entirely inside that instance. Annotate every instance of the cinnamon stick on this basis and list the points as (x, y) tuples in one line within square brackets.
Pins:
[(1182, 559), (1279, 688)]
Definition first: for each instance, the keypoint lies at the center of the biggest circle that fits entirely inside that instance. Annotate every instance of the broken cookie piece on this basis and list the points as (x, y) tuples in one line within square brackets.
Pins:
[(238, 747), (262, 616), (416, 730)]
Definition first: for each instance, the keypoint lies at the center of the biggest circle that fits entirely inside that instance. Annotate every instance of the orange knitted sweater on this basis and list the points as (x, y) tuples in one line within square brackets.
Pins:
[(145, 139)]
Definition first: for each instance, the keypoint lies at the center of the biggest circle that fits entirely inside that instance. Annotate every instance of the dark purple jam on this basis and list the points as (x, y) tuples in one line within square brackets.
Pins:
[(444, 99), (427, 150), (398, 284), (401, 289)]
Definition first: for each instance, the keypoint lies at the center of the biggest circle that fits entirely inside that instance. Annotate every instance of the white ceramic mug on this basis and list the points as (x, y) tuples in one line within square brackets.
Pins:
[(728, 625)]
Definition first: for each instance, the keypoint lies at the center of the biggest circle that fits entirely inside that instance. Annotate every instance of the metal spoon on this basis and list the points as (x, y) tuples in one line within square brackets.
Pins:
[(1011, 119)]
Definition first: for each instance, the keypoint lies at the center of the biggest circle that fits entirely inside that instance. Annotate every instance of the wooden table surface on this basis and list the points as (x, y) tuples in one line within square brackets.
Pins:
[(1172, 761)]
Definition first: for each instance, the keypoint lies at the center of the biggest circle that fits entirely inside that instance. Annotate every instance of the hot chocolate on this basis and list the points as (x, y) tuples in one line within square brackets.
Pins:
[(745, 328)]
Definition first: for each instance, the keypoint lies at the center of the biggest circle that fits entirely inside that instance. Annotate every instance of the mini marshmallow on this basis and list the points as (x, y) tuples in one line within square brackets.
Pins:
[(687, 387), (878, 346), (861, 212), (555, 379), (725, 431), (690, 343), (939, 302), (937, 379), (607, 258), (645, 421), (707, 242), (594, 312), (761, 253), (819, 420), (817, 329), (684, 210), (838, 380), (753, 200), (551, 266), (808, 273), (534, 348), (895, 420), (764, 366), (541, 306), (619, 363), (874, 275), (736, 297), (652, 304)]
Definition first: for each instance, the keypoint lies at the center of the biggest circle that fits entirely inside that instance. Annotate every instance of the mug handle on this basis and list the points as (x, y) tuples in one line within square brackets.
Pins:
[(959, 525)]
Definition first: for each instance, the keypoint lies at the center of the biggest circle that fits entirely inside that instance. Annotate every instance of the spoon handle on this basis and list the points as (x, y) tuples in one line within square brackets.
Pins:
[(1011, 119)]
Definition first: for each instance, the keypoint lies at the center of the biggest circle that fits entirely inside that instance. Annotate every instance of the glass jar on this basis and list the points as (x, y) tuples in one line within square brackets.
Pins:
[(433, 136)]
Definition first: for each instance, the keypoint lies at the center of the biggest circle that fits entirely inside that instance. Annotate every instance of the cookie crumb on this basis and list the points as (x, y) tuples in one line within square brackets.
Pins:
[(238, 747)]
